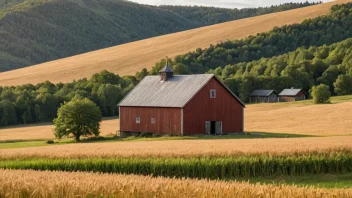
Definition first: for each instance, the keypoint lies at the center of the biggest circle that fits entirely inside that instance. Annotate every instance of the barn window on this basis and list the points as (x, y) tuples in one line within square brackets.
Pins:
[(138, 120), (153, 120), (212, 93)]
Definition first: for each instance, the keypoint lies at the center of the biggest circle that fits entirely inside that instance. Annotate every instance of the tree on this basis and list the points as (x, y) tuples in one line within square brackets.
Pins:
[(180, 69), (109, 96), (321, 94), (77, 117), (343, 85), (140, 75)]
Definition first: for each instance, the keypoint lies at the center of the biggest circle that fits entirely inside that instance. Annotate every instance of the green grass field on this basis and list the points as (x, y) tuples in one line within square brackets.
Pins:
[(250, 135)]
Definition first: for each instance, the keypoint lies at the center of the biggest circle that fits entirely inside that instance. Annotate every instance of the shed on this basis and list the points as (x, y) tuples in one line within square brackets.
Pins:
[(263, 96), (181, 105), (290, 95)]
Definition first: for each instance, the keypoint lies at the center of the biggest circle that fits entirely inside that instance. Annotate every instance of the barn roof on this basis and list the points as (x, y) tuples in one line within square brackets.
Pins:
[(290, 92), (175, 92), (262, 92)]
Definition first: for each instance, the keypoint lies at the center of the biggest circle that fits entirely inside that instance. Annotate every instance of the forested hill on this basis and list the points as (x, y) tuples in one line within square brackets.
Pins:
[(210, 15), (36, 31)]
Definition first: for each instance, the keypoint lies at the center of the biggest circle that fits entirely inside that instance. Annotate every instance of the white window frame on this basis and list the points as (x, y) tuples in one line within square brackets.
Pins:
[(138, 120), (212, 93), (153, 120)]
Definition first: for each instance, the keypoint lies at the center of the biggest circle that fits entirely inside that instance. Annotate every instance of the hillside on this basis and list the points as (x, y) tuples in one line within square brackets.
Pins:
[(37, 31), (129, 58)]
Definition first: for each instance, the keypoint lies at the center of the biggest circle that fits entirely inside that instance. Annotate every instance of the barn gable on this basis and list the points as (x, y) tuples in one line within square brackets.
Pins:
[(175, 92)]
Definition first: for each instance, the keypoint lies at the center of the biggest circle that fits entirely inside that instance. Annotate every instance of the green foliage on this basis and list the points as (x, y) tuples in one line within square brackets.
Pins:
[(212, 168), (211, 15), (109, 96), (321, 94), (77, 117), (36, 31), (343, 85), (27, 104)]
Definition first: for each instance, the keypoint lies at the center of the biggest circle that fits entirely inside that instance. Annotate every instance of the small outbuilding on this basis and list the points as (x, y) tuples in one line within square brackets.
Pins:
[(291, 95), (181, 105), (263, 96)]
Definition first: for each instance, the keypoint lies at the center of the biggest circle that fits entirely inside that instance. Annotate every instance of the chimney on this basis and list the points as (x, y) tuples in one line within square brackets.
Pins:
[(166, 72)]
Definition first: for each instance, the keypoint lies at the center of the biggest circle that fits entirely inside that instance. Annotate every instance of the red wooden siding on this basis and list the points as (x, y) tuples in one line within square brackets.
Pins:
[(223, 108), (167, 120)]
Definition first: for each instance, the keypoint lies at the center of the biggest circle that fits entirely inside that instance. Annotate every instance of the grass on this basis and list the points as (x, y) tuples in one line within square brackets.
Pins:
[(129, 58), (35, 143), (318, 181)]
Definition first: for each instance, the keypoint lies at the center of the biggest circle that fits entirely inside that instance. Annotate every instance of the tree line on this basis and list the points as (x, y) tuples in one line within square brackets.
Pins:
[(37, 31), (26, 104), (211, 15)]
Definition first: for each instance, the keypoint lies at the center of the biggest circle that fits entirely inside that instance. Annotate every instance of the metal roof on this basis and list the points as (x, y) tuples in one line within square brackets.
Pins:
[(262, 92), (166, 69), (177, 91), (290, 92)]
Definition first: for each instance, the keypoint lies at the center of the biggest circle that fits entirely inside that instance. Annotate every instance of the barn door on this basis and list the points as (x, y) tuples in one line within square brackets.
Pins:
[(207, 127), (218, 128)]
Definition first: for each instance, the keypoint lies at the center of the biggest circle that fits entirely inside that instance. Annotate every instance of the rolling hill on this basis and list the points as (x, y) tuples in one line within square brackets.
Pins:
[(128, 58), (37, 31)]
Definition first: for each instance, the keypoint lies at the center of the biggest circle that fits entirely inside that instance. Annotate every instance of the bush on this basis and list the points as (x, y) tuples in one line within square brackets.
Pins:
[(50, 142), (321, 94), (146, 134), (343, 85), (156, 135)]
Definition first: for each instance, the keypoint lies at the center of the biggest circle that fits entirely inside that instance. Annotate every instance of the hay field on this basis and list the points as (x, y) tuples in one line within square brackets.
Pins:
[(17, 183), (186, 148), (45, 131), (128, 58), (319, 120)]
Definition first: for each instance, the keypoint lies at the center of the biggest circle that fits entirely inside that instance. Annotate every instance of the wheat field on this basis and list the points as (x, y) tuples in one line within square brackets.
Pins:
[(128, 58), (186, 148), (318, 120), (18, 183)]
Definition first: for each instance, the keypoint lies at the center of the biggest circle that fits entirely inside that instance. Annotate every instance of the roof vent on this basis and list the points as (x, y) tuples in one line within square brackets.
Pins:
[(166, 72)]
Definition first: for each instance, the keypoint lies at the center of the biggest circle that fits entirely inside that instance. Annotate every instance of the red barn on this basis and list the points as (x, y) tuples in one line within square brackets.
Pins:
[(181, 105)]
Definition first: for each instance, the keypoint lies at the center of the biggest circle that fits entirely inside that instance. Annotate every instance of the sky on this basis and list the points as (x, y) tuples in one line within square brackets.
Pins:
[(222, 3)]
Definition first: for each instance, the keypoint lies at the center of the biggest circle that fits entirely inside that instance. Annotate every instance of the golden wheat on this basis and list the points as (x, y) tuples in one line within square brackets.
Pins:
[(17, 183), (186, 148)]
